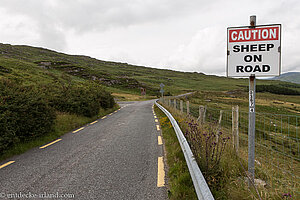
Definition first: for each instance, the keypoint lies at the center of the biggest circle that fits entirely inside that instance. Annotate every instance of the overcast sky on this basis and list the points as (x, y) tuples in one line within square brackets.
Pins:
[(185, 35)]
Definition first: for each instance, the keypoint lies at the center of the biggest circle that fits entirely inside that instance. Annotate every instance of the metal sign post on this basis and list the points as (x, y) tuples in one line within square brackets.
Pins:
[(251, 129), (253, 51)]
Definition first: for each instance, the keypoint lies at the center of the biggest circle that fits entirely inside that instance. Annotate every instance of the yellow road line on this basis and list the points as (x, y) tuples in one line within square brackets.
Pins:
[(110, 114), (78, 130), (159, 140), (156, 120), (42, 147), (6, 164), (94, 122), (157, 127), (103, 117), (160, 173)]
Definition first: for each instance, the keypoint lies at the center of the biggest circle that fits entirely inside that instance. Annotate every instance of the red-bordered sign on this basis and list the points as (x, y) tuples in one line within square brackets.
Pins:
[(254, 51)]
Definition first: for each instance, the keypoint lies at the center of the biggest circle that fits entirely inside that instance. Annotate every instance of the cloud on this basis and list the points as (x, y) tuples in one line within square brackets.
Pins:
[(204, 53), (44, 30), (178, 34)]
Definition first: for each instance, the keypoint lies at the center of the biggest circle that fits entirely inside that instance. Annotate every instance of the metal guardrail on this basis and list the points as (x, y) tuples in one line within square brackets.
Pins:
[(200, 185)]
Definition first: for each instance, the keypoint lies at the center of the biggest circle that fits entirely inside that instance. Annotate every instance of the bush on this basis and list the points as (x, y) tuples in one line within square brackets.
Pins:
[(276, 89), (27, 112), (24, 114), (86, 100), (208, 144)]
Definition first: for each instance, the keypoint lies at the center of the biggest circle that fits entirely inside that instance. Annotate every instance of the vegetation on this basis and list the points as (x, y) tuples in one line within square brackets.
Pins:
[(276, 89), (42, 65), (30, 111), (277, 153), (180, 185)]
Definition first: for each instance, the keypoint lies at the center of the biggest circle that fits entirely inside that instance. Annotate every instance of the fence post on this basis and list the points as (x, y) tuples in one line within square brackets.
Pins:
[(204, 113), (219, 125), (188, 107), (181, 106), (235, 127), (201, 114), (175, 104), (169, 102)]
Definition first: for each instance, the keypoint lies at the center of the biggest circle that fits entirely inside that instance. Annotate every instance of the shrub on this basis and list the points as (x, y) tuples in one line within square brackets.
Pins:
[(82, 99), (24, 114), (27, 112), (276, 89), (208, 144)]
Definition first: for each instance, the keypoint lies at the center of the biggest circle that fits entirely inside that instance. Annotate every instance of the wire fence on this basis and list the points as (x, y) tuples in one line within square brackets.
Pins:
[(277, 151)]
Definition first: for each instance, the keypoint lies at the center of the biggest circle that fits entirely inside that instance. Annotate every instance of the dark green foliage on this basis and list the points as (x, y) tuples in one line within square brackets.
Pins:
[(290, 85), (83, 100), (4, 70), (24, 114), (277, 89), (27, 112)]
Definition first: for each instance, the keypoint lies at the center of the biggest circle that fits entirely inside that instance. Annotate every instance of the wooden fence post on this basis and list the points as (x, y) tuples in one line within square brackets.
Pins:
[(235, 127), (201, 114), (188, 108), (181, 106), (219, 125), (175, 104)]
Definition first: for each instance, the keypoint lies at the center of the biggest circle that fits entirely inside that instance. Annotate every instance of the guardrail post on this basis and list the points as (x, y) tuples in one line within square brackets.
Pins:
[(188, 107), (181, 106), (235, 127)]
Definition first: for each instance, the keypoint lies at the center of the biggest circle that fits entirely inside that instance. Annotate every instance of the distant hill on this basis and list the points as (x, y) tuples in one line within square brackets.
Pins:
[(292, 77)]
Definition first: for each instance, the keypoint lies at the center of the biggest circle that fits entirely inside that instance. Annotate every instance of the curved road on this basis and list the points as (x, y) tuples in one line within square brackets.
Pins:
[(114, 158)]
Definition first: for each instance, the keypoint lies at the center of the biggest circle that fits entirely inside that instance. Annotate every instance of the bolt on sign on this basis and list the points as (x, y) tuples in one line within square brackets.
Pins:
[(254, 51)]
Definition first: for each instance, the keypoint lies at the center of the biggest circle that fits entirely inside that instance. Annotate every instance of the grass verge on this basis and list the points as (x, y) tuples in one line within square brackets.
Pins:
[(131, 97), (64, 123), (229, 181), (180, 185)]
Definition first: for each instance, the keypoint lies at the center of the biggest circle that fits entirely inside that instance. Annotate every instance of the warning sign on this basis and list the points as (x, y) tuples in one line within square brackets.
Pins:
[(254, 51)]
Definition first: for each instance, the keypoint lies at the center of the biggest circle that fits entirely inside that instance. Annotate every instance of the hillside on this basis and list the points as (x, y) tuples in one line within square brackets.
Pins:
[(33, 65), (292, 77)]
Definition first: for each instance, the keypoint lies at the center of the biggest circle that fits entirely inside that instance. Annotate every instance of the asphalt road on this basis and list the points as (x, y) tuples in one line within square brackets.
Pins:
[(114, 158)]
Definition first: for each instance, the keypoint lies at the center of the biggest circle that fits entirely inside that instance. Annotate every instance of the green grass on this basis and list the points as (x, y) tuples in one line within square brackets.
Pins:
[(277, 177), (24, 61), (64, 123), (180, 185)]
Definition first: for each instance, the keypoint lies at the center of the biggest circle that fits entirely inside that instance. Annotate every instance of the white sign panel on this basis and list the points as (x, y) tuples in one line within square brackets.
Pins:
[(254, 51)]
